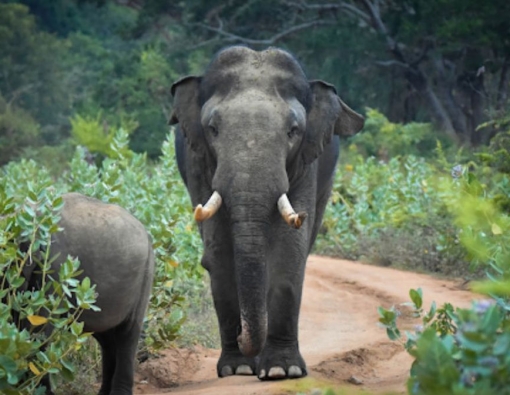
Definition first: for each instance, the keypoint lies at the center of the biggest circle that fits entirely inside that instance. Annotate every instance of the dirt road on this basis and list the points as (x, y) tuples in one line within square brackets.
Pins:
[(339, 336)]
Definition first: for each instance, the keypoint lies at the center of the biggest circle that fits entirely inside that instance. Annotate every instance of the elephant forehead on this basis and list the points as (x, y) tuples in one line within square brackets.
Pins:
[(272, 71), (269, 79), (236, 56), (253, 102)]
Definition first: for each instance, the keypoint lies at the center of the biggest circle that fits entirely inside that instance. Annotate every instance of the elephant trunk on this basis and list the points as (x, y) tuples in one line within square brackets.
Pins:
[(249, 231)]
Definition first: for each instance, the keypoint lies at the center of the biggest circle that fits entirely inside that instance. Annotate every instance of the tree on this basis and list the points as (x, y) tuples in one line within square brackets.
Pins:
[(452, 55), (17, 130), (32, 73)]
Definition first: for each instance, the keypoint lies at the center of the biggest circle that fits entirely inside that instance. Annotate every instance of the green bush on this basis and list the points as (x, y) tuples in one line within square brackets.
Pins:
[(38, 328), (465, 351), (96, 135), (153, 193), (383, 139), (17, 131), (392, 213), (456, 351), (406, 210), (157, 197)]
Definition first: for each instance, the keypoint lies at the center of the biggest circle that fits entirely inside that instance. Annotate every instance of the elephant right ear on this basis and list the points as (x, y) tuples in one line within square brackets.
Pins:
[(328, 115), (186, 111)]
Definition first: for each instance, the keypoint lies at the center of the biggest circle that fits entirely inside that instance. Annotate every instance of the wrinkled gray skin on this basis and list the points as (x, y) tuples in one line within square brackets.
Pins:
[(115, 252), (252, 128)]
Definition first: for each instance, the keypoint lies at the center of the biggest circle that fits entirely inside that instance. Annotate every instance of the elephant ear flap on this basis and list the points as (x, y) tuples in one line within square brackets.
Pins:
[(328, 115), (186, 111), (349, 122)]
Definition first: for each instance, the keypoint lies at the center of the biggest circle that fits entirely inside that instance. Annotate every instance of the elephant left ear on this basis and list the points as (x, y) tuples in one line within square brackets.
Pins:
[(186, 110), (328, 115)]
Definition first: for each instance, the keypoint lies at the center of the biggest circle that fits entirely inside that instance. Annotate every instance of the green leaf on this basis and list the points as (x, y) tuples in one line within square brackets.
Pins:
[(416, 297), (499, 288), (496, 229), (393, 333), (502, 344), (434, 368)]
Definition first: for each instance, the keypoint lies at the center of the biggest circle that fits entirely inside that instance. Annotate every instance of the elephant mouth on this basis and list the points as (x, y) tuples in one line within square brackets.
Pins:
[(293, 219), (250, 344)]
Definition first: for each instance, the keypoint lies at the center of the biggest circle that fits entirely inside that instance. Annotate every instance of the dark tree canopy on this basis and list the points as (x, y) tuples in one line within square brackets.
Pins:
[(440, 61)]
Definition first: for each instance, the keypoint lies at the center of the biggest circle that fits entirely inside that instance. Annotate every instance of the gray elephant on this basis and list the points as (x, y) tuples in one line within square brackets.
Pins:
[(115, 252), (257, 143)]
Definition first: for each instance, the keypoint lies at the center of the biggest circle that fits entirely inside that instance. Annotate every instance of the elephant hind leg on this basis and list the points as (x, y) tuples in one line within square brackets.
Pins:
[(108, 352), (126, 343), (118, 349)]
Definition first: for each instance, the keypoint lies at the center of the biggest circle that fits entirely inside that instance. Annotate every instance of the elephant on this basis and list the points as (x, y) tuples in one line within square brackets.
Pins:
[(256, 146), (115, 252)]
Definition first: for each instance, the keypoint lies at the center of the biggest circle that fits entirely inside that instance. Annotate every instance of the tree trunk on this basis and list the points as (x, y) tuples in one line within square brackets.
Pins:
[(419, 81), (502, 95)]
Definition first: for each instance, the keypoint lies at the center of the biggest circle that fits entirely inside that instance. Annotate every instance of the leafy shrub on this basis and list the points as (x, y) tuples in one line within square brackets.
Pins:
[(17, 130), (383, 139), (465, 351), (153, 193), (456, 351), (38, 328), (392, 213), (157, 197), (54, 158), (96, 135), (409, 211)]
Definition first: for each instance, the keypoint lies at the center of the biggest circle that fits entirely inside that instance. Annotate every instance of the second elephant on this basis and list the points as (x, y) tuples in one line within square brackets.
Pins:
[(115, 252)]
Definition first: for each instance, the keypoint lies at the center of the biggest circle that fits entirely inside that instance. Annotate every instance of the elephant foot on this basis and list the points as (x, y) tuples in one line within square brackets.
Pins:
[(281, 362), (234, 363)]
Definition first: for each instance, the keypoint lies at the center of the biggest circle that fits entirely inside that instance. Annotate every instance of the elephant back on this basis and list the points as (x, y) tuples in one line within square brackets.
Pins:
[(115, 252)]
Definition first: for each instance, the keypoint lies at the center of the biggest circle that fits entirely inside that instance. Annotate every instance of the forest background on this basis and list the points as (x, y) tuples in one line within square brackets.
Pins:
[(64, 61)]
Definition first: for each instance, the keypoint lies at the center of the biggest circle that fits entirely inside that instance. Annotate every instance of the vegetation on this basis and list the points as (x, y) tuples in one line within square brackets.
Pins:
[(29, 203), (464, 351), (115, 60), (28, 350)]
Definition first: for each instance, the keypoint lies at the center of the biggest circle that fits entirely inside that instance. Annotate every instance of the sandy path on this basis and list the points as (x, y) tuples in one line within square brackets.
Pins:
[(339, 336)]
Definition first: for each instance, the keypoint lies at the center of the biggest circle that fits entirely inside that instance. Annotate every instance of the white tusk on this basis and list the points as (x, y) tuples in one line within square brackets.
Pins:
[(212, 206), (289, 215)]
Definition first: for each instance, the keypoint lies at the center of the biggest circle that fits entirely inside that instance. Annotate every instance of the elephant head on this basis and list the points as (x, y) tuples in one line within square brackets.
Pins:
[(262, 124)]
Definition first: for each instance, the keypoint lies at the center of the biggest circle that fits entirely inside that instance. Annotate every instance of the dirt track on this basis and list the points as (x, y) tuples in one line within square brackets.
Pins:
[(339, 336)]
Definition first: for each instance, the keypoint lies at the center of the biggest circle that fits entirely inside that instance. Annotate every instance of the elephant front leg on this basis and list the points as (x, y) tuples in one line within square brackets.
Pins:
[(218, 260), (281, 357)]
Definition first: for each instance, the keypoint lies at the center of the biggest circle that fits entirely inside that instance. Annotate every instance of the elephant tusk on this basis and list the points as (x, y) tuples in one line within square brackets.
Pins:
[(212, 206), (289, 215)]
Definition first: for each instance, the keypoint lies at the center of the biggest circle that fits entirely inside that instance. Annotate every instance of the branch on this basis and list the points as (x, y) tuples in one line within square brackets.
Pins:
[(270, 41), (341, 6), (18, 92), (422, 55), (204, 43), (392, 63), (137, 5), (377, 23)]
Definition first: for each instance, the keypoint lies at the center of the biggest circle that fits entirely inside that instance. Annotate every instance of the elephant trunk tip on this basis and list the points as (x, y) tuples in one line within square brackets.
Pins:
[(251, 342)]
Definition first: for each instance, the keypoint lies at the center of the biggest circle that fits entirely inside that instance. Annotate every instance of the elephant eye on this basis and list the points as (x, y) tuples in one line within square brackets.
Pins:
[(293, 131), (213, 130)]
